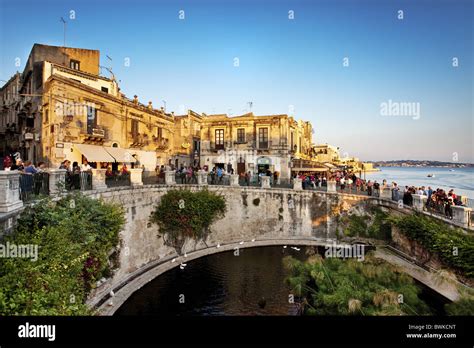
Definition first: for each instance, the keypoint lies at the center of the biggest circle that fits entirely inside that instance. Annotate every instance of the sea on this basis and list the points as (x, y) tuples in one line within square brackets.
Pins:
[(459, 179)]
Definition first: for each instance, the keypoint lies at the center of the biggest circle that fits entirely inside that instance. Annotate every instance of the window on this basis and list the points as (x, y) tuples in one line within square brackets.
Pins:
[(104, 89), (241, 135), (159, 133), (292, 143), (91, 119), (134, 128), (263, 138), (219, 139), (74, 64)]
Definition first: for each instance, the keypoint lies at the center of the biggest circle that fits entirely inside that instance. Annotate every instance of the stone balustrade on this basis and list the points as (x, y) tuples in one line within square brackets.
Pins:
[(202, 177), (331, 186), (297, 184), (57, 180), (419, 202), (136, 177), (98, 179), (462, 215), (234, 180), (9, 191), (170, 178), (265, 181)]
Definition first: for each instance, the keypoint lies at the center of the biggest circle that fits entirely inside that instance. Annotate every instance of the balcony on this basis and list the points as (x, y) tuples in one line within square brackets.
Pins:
[(161, 143), (138, 140), (98, 132), (94, 135)]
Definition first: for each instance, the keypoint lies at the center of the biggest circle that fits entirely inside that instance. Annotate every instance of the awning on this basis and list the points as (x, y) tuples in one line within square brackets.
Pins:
[(330, 165), (121, 155), (94, 153)]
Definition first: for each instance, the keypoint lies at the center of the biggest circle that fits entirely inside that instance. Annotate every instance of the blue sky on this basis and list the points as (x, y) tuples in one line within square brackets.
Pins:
[(283, 63)]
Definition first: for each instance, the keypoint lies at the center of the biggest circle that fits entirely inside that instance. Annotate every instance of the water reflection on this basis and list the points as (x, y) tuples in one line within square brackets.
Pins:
[(252, 283), (220, 284)]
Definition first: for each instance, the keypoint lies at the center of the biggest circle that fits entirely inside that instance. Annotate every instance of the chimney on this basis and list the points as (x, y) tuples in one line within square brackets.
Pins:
[(135, 99), (150, 105)]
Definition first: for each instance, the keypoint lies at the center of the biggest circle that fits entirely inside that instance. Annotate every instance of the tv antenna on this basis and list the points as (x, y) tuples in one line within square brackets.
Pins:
[(64, 27)]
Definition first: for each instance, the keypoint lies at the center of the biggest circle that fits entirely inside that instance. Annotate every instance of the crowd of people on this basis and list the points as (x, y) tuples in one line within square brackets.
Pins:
[(439, 200)]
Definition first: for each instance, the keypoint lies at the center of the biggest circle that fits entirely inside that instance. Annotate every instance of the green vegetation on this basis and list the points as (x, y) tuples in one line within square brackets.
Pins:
[(182, 213), (464, 306), (348, 287), (453, 246), (75, 236), (364, 226)]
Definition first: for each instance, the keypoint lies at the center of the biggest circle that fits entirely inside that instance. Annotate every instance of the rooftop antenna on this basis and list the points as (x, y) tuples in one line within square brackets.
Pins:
[(109, 69), (64, 26), (64, 42), (164, 103)]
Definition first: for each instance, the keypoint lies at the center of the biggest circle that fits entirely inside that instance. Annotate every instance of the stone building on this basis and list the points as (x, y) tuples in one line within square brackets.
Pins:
[(86, 116), (254, 143), (9, 127), (30, 91), (187, 139)]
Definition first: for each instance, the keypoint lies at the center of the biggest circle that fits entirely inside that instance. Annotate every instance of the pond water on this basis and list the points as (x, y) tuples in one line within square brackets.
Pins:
[(252, 283)]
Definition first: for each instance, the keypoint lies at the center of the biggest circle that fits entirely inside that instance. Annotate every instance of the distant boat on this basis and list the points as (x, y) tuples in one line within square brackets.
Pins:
[(451, 170), (431, 176)]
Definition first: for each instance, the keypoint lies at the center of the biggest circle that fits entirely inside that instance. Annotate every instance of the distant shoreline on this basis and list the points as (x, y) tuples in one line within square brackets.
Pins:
[(420, 164)]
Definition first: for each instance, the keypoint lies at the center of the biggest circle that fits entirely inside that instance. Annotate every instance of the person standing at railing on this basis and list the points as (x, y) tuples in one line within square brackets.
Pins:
[(376, 188), (29, 168), (220, 174), (349, 183), (342, 181), (85, 167), (18, 165), (395, 193), (109, 172), (190, 174), (124, 170), (369, 188), (448, 210), (41, 167), (7, 162), (248, 175)]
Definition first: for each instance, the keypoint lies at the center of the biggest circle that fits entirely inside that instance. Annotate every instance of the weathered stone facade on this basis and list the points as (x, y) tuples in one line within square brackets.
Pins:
[(255, 143)]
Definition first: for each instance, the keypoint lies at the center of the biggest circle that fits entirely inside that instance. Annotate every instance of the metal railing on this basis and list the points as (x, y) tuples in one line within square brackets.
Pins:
[(79, 181), (117, 180), (33, 185)]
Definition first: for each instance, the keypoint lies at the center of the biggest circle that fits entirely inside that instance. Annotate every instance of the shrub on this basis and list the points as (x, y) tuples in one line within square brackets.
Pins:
[(185, 214), (74, 237), (464, 306), (440, 239)]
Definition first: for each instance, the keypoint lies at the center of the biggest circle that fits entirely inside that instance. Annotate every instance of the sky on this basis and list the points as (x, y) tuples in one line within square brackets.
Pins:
[(336, 63)]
